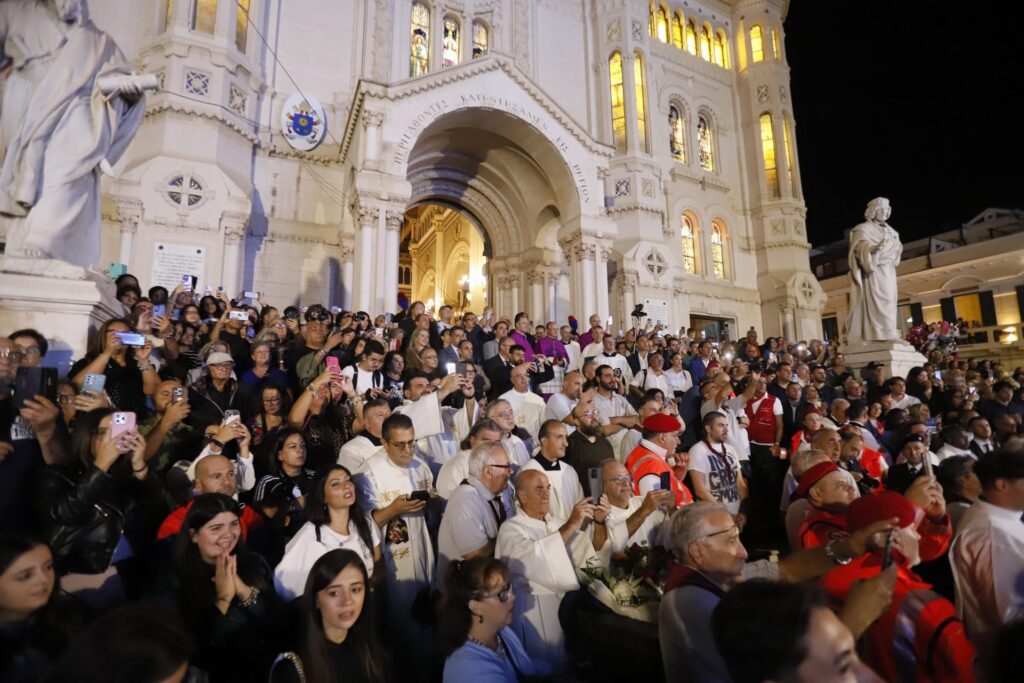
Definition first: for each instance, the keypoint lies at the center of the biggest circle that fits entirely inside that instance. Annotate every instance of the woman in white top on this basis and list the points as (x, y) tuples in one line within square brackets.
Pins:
[(334, 521), (651, 377), (678, 378)]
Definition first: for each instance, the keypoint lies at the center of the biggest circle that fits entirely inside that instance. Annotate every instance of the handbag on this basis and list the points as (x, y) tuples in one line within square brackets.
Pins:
[(292, 659)]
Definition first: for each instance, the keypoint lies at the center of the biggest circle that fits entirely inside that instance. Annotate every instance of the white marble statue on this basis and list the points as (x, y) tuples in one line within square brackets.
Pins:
[(875, 251), (71, 105)]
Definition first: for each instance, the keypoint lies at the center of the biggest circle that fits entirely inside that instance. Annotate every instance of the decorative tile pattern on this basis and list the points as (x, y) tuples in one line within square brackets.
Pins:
[(762, 93), (655, 263), (237, 101), (647, 187), (622, 187), (197, 83)]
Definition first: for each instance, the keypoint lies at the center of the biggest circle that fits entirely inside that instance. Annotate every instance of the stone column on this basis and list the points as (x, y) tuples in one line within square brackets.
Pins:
[(366, 220), (603, 253), (788, 323), (129, 212), (372, 121), (537, 279), (225, 27), (393, 231), (235, 225), (628, 283), (346, 252)]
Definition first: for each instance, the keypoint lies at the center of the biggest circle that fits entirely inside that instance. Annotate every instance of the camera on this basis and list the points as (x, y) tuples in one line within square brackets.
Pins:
[(638, 312)]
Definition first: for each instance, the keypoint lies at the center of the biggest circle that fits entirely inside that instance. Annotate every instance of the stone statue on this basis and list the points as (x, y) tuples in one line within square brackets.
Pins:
[(875, 251), (71, 106)]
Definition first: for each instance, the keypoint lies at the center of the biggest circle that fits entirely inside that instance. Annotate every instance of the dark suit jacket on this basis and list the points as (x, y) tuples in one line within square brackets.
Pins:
[(976, 449), (790, 415), (900, 477), (500, 376)]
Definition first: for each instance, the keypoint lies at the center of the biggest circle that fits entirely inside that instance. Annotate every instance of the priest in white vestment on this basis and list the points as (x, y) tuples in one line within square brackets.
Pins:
[(435, 444), (528, 406), (631, 519), (456, 470), (357, 450), (542, 554), (566, 490), (519, 452)]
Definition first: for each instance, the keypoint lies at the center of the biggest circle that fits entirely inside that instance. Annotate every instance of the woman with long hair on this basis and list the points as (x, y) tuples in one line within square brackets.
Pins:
[(473, 625), (334, 520), (211, 308), (420, 340), (324, 416), (268, 411), (224, 592), (340, 643), (130, 375), (289, 480), (190, 314)]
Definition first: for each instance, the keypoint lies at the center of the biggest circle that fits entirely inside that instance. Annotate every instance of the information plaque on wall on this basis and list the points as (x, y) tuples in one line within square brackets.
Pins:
[(657, 311), (171, 261)]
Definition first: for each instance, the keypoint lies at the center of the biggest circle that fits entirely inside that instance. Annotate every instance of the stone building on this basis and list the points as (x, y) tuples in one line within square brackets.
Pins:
[(577, 156)]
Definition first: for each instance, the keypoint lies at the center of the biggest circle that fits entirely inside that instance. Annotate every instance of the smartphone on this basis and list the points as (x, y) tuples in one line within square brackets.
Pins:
[(231, 416), (221, 288), (420, 495), (94, 383), (387, 318), (926, 463), (333, 365), (32, 382), (596, 484), (449, 368), (239, 315), (887, 552), (608, 323), (131, 338), (178, 394), (187, 283), (248, 294), (463, 367), (666, 481), (121, 423), (159, 309), (208, 290), (938, 374)]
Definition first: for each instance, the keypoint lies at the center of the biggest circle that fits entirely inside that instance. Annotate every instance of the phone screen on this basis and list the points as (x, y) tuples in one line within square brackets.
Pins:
[(449, 368), (596, 484), (666, 481), (333, 365), (887, 553), (121, 423)]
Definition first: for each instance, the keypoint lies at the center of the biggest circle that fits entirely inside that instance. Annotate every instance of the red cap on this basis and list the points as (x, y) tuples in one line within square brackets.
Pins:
[(812, 411), (662, 423), (714, 364), (812, 477), (878, 507)]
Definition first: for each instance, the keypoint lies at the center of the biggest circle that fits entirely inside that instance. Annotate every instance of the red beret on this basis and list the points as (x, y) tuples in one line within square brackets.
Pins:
[(662, 423), (878, 507), (714, 364), (812, 477)]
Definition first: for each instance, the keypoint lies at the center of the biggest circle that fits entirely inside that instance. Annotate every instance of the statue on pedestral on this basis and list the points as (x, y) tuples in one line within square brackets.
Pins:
[(875, 251), (71, 106)]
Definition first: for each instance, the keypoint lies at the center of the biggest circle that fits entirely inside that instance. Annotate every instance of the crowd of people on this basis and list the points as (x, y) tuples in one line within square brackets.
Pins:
[(228, 491)]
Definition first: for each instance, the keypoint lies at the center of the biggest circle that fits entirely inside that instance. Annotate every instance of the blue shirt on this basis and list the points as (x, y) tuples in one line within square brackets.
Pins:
[(479, 664)]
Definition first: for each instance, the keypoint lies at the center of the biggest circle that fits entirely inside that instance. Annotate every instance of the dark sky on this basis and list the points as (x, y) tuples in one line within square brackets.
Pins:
[(920, 101)]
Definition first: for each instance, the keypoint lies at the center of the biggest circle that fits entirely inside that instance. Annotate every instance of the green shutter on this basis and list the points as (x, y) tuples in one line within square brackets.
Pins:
[(988, 308), (948, 309)]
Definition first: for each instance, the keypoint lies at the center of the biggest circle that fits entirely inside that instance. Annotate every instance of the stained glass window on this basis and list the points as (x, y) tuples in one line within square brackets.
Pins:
[(721, 50), (689, 245), (241, 24), (756, 45), (641, 100), (718, 250), (661, 25), (776, 47), (450, 50), (204, 16), (705, 44), (481, 39), (677, 139), (618, 101), (704, 144), (419, 48), (691, 37), (771, 172), (677, 31)]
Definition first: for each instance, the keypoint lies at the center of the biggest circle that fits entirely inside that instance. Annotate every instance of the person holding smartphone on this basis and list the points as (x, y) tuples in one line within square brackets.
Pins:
[(130, 375)]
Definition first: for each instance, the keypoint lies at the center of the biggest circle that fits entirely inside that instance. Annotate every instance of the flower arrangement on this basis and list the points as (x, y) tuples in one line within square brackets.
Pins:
[(632, 584), (935, 337)]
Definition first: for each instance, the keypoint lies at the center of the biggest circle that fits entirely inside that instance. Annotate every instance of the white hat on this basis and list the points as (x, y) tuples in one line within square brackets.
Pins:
[(218, 357)]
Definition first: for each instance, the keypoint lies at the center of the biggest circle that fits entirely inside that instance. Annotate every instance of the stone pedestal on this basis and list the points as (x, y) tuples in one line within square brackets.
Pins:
[(64, 311), (897, 357)]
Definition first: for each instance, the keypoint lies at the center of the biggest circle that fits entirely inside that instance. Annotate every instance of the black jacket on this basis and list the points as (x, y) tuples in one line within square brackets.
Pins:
[(500, 376)]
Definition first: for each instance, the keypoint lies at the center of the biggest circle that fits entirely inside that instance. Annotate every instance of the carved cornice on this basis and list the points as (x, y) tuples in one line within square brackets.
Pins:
[(129, 213), (294, 238)]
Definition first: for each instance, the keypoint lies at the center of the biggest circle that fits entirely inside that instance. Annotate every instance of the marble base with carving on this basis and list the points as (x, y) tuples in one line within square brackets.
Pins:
[(897, 357), (64, 308)]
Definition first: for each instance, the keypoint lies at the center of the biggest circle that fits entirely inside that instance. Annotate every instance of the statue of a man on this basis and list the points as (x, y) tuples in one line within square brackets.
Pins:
[(71, 105), (875, 251)]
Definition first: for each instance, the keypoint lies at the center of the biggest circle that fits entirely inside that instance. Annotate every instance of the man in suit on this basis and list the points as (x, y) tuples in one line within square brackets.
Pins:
[(699, 365), (982, 442), (793, 407), (902, 475), (499, 368)]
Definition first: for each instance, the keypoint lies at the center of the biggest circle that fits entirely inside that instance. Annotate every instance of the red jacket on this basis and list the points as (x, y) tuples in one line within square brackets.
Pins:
[(820, 527), (172, 524), (919, 639)]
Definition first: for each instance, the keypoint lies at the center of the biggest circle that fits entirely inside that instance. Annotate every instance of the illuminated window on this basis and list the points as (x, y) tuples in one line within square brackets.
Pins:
[(661, 25), (677, 139), (204, 16), (641, 100), (705, 44), (419, 48), (721, 50), (618, 101), (481, 39), (776, 47), (450, 50), (678, 31), (241, 24), (771, 172), (756, 45), (169, 15), (718, 250), (691, 37), (689, 245), (789, 155), (704, 144)]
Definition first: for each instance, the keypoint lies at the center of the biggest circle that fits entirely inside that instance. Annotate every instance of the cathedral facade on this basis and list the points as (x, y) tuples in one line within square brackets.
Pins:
[(571, 156)]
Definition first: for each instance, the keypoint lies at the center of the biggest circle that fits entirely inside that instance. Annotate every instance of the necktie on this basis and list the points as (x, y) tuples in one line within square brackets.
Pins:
[(499, 509)]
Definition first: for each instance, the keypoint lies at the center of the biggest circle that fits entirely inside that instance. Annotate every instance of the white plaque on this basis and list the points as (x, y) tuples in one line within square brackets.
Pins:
[(171, 261), (657, 311)]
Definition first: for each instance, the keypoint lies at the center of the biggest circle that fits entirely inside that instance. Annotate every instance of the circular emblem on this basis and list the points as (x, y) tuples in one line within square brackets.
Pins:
[(303, 122)]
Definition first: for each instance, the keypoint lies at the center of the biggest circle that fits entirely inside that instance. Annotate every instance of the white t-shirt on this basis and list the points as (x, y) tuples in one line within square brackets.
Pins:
[(361, 379), (721, 475)]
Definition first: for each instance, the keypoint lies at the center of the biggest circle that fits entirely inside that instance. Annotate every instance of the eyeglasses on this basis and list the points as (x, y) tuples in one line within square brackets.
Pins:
[(625, 479), (506, 413), (502, 594), (500, 467), (403, 445), (30, 350), (14, 356), (64, 399), (723, 531)]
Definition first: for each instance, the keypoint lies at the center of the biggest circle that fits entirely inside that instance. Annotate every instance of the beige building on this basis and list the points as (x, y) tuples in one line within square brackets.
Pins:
[(554, 156), (974, 273)]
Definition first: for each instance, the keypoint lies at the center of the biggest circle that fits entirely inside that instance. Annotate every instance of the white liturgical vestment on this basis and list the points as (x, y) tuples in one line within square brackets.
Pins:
[(566, 490), (647, 534), (529, 410), (355, 452)]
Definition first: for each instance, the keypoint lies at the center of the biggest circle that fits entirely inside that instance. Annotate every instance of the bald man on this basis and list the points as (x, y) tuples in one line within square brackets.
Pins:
[(213, 474), (528, 406)]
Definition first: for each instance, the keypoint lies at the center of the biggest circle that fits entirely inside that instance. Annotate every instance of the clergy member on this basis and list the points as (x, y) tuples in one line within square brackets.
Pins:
[(631, 519), (455, 471), (565, 482), (357, 450), (518, 450), (528, 406)]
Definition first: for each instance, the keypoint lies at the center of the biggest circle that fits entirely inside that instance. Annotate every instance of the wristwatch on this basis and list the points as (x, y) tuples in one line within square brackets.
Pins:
[(830, 553)]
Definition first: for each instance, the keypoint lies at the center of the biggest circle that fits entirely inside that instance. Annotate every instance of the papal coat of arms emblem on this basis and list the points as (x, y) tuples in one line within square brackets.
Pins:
[(303, 122)]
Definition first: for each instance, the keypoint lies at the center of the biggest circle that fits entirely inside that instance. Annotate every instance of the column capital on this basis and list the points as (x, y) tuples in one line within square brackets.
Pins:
[(393, 219), (236, 225), (367, 216), (129, 213), (372, 119)]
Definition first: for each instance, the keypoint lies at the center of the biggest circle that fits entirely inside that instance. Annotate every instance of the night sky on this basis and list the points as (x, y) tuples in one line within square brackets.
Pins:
[(918, 101)]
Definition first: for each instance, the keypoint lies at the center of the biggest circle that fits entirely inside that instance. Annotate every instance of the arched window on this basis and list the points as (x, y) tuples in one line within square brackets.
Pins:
[(689, 241), (204, 16), (705, 145), (678, 31), (661, 25), (677, 135), (718, 250), (771, 173), (721, 50), (691, 37), (641, 101), (450, 42), (705, 44), (618, 97), (419, 47), (481, 39), (776, 45), (756, 45), (241, 24), (789, 155)]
